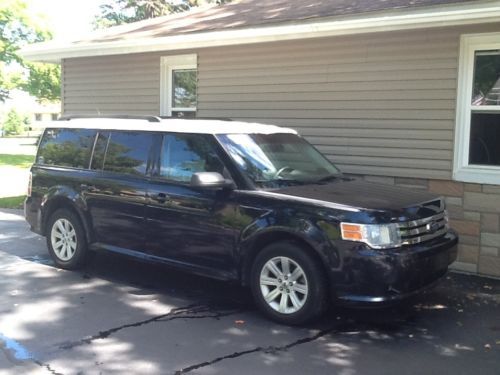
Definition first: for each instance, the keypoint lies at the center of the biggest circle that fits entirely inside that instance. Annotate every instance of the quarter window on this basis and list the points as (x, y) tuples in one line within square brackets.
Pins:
[(128, 152), (185, 154), (66, 147), (179, 80), (477, 151)]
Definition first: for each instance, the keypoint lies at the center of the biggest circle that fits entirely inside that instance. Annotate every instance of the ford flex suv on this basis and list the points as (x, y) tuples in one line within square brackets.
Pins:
[(251, 203)]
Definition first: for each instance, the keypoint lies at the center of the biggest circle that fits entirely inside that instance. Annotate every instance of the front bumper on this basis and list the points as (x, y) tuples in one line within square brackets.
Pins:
[(378, 276)]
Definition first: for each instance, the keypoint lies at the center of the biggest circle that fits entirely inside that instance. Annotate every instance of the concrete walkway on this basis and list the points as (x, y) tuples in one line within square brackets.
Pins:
[(14, 181)]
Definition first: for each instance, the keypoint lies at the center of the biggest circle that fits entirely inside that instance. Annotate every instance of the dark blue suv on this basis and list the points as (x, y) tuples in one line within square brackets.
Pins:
[(252, 203)]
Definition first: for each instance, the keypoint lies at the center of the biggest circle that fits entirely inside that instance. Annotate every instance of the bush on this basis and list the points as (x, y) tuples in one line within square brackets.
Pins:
[(14, 123)]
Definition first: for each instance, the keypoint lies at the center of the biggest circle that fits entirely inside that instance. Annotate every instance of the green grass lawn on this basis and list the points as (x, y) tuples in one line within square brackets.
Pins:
[(12, 202), (20, 161)]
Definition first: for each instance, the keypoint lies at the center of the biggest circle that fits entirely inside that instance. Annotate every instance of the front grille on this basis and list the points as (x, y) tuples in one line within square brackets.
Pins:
[(416, 231)]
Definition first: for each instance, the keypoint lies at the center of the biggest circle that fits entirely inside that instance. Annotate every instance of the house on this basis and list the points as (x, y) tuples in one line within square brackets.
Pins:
[(37, 113), (395, 91)]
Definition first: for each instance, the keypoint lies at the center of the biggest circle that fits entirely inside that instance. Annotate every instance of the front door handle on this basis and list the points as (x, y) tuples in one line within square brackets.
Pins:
[(161, 197)]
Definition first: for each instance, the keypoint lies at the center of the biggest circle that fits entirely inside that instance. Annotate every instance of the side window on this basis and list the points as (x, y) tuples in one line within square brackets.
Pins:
[(127, 152), (66, 147), (186, 154), (100, 150)]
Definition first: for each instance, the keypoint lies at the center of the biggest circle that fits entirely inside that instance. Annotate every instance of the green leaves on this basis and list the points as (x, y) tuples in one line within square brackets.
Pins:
[(117, 12), (17, 28)]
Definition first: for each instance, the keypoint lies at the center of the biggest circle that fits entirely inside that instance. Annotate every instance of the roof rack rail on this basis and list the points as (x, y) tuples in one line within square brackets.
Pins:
[(128, 117), (195, 118)]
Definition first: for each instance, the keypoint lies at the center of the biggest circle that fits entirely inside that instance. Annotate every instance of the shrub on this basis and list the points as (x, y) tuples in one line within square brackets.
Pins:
[(14, 123)]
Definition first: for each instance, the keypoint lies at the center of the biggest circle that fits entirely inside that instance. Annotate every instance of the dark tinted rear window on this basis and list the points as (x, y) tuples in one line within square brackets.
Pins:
[(66, 147), (128, 152)]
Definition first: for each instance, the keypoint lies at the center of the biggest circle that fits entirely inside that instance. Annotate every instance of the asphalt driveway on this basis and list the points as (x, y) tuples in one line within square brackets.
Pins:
[(122, 316)]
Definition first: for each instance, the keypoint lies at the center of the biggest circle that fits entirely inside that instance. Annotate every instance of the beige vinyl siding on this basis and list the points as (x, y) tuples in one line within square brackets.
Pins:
[(126, 84), (378, 104)]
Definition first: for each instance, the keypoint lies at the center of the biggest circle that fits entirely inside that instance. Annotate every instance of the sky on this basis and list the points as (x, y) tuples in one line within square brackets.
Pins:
[(67, 19)]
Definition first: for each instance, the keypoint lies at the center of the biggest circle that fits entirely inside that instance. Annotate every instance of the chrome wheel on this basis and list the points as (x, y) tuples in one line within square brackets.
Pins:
[(283, 284), (63, 239)]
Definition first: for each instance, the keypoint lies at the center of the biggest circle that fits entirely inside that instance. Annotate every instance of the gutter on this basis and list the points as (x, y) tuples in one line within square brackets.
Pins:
[(460, 14)]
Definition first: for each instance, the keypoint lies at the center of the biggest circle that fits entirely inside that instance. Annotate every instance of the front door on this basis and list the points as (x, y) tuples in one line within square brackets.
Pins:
[(187, 225)]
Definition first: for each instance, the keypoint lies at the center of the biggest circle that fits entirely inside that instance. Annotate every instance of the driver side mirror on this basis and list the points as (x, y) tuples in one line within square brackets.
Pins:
[(212, 180)]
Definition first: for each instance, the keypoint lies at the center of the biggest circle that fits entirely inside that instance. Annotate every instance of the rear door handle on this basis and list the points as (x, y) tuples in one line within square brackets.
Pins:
[(161, 197)]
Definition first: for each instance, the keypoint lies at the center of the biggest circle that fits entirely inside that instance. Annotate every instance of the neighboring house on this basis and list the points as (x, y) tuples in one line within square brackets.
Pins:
[(38, 113), (399, 92)]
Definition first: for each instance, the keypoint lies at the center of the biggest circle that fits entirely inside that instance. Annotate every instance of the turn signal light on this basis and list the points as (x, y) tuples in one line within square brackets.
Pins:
[(377, 236), (351, 232)]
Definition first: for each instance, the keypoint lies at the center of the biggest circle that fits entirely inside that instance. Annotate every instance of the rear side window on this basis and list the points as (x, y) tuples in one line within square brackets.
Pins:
[(128, 152), (66, 147)]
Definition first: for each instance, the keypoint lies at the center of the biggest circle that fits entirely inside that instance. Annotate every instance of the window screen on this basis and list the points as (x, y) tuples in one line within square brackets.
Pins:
[(484, 147)]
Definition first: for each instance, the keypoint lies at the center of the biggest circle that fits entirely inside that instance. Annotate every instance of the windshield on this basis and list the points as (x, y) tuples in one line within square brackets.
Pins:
[(274, 160)]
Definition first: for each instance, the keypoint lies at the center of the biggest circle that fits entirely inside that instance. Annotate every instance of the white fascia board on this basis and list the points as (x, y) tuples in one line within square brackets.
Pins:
[(462, 14)]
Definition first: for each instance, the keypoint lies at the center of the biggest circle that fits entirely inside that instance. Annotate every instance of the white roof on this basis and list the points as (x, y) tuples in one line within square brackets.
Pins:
[(172, 125)]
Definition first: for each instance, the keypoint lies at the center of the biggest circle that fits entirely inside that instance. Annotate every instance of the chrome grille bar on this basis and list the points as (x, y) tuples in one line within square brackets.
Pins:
[(416, 231)]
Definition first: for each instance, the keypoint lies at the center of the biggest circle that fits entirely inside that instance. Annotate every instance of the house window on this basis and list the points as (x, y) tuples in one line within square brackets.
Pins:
[(477, 154), (54, 116), (38, 117), (179, 81)]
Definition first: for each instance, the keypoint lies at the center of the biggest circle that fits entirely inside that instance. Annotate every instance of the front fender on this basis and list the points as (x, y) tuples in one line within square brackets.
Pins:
[(278, 227)]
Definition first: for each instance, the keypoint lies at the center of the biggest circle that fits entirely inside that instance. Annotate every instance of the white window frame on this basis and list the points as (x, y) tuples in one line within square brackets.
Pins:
[(168, 65), (462, 170)]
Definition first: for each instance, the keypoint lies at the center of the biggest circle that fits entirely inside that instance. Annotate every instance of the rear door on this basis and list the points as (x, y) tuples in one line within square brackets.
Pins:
[(190, 225), (116, 196)]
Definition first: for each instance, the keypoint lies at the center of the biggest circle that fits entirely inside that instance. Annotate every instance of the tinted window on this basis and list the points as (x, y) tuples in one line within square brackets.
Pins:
[(127, 152), (185, 154), (100, 150), (66, 147)]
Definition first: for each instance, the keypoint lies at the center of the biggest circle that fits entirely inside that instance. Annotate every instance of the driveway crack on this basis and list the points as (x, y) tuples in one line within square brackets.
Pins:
[(47, 367), (260, 349), (194, 311)]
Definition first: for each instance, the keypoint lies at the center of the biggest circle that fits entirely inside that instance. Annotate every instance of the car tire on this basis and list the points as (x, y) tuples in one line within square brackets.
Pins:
[(288, 284), (66, 240)]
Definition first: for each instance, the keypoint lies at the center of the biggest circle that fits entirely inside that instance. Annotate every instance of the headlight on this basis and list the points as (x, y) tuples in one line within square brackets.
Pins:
[(378, 236)]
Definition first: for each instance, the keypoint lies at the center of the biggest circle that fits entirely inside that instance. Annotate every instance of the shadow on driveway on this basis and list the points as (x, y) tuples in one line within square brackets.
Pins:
[(122, 316)]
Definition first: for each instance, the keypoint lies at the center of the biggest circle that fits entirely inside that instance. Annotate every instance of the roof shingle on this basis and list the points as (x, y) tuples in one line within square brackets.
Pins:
[(254, 13)]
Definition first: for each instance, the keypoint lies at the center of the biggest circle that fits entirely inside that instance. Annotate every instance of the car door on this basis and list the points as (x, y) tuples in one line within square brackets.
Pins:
[(188, 225), (116, 195)]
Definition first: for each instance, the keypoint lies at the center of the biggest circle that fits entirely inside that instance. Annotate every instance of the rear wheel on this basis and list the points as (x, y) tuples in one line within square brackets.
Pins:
[(288, 284), (66, 240)]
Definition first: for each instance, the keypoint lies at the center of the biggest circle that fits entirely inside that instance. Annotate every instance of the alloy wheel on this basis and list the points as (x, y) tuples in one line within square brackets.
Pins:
[(283, 284), (63, 239)]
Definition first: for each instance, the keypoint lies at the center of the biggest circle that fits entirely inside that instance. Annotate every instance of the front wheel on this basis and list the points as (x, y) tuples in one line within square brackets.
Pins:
[(288, 284), (66, 240)]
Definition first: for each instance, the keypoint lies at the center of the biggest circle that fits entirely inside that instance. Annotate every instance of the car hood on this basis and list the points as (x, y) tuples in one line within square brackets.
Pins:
[(361, 194)]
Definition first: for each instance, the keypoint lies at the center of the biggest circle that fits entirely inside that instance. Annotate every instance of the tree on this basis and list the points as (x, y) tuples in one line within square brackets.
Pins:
[(18, 28), (117, 12), (14, 123)]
